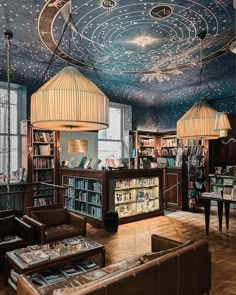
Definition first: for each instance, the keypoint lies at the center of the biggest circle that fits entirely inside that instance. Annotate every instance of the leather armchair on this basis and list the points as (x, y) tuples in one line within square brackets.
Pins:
[(54, 222), (14, 233), (7, 212)]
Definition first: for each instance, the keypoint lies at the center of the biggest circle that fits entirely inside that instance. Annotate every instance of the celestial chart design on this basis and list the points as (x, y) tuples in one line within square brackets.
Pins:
[(150, 38)]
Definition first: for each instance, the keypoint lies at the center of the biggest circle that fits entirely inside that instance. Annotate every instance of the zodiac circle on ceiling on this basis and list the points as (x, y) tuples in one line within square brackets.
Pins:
[(108, 4), (161, 11)]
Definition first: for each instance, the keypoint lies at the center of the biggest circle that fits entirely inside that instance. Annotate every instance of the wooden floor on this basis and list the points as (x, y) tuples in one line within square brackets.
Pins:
[(134, 238)]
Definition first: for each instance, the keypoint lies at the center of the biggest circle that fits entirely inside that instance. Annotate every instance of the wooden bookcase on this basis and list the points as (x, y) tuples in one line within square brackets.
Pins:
[(144, 144), (94, 192), (43, 158)]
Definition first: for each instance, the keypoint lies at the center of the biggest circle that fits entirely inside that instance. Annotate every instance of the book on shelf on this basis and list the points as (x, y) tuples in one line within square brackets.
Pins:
[(228, 181), (33, 257)]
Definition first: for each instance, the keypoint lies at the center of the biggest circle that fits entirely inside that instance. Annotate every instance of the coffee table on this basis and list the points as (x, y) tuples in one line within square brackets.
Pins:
[(67, 253)]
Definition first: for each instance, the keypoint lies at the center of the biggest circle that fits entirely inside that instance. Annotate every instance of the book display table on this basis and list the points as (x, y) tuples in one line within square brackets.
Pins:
[(206, 199), (52, 255)]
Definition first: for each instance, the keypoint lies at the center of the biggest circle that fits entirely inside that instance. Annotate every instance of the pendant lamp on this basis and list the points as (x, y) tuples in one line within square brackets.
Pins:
[(69, 102), (198, 122), (222, 124)]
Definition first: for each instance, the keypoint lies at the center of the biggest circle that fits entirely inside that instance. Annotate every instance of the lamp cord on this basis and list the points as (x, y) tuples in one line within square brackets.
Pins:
[(8, 35), (201, 74), (88, 55), (54, 52)]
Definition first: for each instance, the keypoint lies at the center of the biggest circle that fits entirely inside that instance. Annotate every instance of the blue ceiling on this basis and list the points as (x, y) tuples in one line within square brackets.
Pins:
[(139, 52)]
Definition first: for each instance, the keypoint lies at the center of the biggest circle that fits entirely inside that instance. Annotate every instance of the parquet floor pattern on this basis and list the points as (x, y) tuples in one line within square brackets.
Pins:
[(135, 238)]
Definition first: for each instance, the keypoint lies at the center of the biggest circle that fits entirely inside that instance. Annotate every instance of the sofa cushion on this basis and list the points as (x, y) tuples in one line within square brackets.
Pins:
[(50, 217), (62, 231), (7, 225), (153, 255)]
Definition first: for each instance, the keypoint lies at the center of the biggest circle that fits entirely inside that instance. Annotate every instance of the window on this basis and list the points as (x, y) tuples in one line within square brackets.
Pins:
[(113, 142), (17, 113)]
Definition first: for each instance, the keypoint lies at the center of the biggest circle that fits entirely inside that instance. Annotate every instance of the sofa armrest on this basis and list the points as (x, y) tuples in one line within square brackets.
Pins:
[(39, 228), (78, 220), (159, 243), (25, 230), (24, 287)]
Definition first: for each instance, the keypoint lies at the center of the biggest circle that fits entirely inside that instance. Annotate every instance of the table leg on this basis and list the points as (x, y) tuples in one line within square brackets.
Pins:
[(207, 207), (220, 214), (227, 208)]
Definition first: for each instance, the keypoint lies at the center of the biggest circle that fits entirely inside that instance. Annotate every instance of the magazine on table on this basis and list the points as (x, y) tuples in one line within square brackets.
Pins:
[(20, 251), (86, 264), (34, 256), (71, 270), (72, 241), (51, 253), (52, 276), (37, 280)]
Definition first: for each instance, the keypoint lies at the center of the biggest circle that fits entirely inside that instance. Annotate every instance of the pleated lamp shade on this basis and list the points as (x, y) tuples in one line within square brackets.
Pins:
[(198, 122), (222, 124), (69, 102)]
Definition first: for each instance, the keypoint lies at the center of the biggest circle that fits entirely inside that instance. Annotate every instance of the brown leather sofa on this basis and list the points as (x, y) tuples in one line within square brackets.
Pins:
[(14, 233), (53, 222), (171, 269)]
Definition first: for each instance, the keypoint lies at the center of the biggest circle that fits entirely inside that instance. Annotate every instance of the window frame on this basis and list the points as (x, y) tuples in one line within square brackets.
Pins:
[(122, 137), (21, 110)]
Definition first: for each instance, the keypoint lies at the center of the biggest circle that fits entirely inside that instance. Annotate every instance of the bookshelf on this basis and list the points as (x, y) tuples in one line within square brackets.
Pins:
[(194, 157), (136, 196), (95, 192), (223, 184), (83, 195), (43, 156), (145, 145)]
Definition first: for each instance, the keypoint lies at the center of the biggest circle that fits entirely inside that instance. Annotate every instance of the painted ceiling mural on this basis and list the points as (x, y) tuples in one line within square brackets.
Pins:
[(139, 52)]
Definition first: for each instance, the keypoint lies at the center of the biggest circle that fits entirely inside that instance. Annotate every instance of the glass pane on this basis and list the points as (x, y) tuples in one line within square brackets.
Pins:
[(109, 149), (114, 130), (4, 154), (4, 112)]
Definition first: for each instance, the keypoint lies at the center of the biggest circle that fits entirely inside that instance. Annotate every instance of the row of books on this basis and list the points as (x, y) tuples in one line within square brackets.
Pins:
[(95, 211), (42, 150), (69, 181), (44, 176), (169, 152), (96, 199), (53, 276), (39, 163), (122, 197), (126, 183), (194, 150), (81, 184), (147, 152), (147, 142), (141, 182), (81, 195), (221, 181), (43, 201), (39, 136), (169, 142)]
